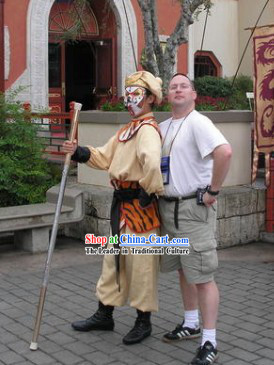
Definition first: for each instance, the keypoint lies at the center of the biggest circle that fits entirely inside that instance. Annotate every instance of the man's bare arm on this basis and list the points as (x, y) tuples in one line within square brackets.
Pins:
[(221, 162)]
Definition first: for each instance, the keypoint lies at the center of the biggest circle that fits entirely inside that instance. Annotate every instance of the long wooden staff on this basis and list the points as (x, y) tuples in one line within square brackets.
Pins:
[(34, 345)]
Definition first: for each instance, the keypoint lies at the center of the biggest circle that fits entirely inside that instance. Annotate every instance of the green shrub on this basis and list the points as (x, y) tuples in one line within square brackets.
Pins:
[(113, 107), (113, 104), (205, 108), (214, 93), (24, 175), (208, 103), (163, 107), (238, 99), (217, 87), (213, 86)]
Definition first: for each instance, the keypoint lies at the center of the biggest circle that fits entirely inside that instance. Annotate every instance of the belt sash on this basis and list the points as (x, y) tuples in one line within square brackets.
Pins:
[(176, 206), (125, 206)]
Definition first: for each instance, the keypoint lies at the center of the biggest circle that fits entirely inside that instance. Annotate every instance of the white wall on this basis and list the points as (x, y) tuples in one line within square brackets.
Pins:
[(249, 11), (226, 36), (221, 35)]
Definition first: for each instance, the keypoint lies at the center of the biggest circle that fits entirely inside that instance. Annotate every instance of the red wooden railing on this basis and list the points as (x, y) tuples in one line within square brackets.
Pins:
[(53, 128)]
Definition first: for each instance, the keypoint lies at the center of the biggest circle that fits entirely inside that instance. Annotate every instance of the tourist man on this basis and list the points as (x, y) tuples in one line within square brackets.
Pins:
[(195, 162)]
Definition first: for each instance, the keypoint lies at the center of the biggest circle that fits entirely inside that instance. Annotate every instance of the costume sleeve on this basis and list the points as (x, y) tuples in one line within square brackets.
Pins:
[(149, 154), (207, 136), (101, 157), (82, 154)]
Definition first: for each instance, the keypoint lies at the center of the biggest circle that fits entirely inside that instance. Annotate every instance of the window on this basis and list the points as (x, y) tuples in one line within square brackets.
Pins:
[(206, 64)]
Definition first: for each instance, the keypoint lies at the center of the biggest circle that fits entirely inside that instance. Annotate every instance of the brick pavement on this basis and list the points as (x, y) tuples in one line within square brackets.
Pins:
[(245, 327)]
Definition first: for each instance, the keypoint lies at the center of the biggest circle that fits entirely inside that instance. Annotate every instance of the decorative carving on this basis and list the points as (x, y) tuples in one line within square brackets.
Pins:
[(38, 15), (63, 16), (23, 80)]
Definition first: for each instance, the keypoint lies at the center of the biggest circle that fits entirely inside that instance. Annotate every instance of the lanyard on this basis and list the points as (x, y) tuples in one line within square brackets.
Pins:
[(178, 130)]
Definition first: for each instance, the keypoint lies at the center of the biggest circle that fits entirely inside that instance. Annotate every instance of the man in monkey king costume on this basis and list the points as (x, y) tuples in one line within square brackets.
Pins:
[(132, 158)]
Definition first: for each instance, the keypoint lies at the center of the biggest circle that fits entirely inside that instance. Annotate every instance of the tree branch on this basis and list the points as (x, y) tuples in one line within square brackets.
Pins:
[(194, 4), (179, 35), (158, 51), (150, 62)]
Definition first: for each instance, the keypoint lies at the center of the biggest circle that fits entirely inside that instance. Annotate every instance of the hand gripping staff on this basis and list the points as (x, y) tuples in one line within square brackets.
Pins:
[(34, 345)]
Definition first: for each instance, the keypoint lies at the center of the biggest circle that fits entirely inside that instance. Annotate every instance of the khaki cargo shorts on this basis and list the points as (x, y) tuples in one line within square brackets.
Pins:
[(198, 224)]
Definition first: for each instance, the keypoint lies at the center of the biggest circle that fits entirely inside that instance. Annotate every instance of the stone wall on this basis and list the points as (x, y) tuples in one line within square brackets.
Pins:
[(97, 213), (241, 214)]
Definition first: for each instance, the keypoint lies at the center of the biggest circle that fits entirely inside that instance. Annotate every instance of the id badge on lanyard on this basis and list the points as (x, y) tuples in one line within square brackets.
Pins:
[(165, 160), (165, 164)]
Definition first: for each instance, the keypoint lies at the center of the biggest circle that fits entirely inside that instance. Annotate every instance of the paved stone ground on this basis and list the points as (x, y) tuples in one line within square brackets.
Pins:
[(245, 327)]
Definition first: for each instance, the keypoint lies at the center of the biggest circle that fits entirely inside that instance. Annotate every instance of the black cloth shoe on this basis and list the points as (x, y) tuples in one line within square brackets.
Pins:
[(181, 333), (101, 320), (142, 329), (205, 355)]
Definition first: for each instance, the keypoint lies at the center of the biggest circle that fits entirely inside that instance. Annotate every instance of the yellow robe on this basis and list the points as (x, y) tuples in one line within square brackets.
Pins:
[(137, 159)]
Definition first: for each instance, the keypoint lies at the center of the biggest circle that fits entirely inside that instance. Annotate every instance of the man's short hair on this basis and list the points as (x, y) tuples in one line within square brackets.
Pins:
[(182, 74)]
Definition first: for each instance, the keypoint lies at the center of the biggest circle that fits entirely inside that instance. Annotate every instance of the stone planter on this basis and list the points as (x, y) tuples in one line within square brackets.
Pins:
[(96, 127), (241, 208)]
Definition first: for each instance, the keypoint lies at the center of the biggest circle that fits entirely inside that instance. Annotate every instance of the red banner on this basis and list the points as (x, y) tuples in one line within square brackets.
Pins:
[(264, 88), (263, 42)]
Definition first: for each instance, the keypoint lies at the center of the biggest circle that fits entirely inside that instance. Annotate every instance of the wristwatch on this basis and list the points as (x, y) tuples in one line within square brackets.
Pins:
[(210, 192)]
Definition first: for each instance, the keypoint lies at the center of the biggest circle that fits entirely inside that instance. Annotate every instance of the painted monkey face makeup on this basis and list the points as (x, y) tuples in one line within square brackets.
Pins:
[(134, 99)]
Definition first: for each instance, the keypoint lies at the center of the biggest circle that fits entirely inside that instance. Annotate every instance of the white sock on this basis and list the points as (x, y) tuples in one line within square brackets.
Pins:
[(191, 319), (209, 335)]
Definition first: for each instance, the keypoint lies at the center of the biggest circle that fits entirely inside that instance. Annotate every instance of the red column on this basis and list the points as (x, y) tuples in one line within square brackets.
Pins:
[(270, 199), (2, 50)]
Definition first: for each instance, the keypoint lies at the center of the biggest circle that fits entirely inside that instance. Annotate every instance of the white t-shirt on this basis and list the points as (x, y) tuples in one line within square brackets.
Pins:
[(191, 161)]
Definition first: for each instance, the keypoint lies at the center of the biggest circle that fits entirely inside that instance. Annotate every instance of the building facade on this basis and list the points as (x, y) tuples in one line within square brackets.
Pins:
[(227, 32), (54, 71)]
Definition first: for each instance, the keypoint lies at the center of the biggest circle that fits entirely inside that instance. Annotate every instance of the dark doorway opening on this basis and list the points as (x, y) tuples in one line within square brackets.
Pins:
[(80, 74), (80, 71)]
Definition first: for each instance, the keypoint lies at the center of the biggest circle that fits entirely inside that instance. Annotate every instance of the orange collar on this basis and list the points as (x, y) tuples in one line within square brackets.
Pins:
[(132, 127)]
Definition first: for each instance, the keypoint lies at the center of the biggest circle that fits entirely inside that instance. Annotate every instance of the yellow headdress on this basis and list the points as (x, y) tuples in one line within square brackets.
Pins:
[(147, 80)]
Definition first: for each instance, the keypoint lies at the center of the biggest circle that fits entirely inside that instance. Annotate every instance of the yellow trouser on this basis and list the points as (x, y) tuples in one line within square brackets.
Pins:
[(138, 279)]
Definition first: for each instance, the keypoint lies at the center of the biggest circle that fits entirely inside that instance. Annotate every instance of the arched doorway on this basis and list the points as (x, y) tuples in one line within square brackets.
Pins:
[(82, 54), (36, 74)]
